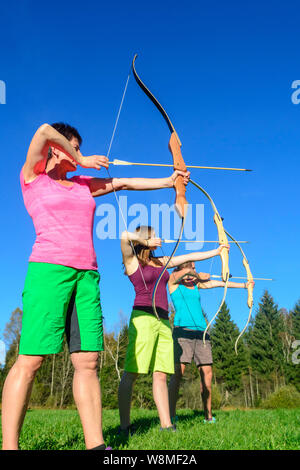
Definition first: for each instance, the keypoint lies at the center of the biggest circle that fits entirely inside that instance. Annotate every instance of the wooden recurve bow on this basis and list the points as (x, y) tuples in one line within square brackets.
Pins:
[(181, 203)]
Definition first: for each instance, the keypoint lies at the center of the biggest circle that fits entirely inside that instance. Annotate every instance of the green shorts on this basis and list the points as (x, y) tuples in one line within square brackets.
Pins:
[(150, 344), (49, 298)]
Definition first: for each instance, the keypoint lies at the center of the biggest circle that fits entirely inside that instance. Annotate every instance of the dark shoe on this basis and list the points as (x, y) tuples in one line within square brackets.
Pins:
[(209, 420), (129, 431), (101, 447), (174, 420), (169, 428)]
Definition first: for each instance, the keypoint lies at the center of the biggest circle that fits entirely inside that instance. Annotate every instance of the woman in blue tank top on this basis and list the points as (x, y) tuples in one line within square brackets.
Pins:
[(189, 325)]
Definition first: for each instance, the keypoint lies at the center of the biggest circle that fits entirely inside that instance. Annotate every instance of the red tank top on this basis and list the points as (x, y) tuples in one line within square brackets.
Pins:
[(144, 290)]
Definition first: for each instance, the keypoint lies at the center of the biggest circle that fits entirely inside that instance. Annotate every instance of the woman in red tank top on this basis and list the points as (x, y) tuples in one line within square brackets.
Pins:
[(150, 345)]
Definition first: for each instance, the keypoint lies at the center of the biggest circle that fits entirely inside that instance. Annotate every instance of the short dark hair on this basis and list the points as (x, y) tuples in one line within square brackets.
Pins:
[(67, 130)]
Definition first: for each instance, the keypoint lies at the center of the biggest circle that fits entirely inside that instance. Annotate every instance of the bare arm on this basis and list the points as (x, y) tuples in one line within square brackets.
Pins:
[(212, 284), (38, 150), (196, 256), (101, 186), (177, 276), (129, 258), (37, 154)]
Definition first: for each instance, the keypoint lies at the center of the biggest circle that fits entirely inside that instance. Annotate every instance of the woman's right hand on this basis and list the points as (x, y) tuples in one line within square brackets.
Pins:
[(153, 243), (204, 276), (94, 161)]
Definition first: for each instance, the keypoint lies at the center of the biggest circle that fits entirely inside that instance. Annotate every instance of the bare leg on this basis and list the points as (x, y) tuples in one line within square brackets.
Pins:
[(15, 398), (125, 395), (174, 388), (205, 388), (87, 396), (161, 398)]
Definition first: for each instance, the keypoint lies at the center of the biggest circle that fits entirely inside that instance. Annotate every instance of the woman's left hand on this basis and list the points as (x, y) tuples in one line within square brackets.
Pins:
[(249, 283), (185, 174), (220, 248)]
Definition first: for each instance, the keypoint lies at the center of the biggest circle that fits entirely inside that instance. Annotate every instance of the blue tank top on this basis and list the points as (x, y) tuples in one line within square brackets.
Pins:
[(188, 311)]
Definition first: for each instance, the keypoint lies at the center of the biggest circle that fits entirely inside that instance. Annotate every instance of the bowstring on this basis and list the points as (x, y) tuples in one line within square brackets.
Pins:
[(165, 268), (210, 271)]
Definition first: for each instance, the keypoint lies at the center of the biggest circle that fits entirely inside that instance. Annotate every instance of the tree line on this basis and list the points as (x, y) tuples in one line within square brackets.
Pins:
[(268, 359)]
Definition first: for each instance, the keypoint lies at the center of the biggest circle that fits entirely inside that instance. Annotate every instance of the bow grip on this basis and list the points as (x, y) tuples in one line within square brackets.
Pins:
[(223, 240), (250, 278), (181, 203)]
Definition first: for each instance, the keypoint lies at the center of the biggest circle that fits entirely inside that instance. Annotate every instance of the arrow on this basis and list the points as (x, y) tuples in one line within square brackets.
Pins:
[(123, 162), (233, 277), (197, 241)]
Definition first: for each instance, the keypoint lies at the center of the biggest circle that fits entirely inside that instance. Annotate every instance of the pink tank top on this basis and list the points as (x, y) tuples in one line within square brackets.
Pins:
[(143, 294), (63, 221)]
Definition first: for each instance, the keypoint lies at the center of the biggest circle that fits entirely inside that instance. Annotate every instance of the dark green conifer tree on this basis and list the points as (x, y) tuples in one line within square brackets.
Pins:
[(265, 342), (228, 366), (294, 363), (296, 321)]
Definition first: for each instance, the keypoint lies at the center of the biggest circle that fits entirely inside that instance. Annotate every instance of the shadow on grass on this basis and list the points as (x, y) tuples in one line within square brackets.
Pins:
[(143, 425), (191, 415), (48, 443)]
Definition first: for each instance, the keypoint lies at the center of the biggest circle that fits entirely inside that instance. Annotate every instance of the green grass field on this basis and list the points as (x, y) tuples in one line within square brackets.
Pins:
[(237, 429)]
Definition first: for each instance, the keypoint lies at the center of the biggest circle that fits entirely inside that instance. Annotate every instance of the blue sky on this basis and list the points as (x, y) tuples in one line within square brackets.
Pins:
[(223, 71)]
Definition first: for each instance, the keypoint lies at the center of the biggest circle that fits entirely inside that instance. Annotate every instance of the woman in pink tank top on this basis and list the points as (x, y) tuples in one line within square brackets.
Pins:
[(150, 345), (63, 267)]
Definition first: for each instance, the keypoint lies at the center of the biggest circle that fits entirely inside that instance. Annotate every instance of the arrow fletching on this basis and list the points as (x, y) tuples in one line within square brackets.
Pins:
[(120, 162)]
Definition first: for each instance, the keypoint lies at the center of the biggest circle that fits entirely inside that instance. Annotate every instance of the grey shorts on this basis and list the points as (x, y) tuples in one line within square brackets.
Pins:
[(188, 347)]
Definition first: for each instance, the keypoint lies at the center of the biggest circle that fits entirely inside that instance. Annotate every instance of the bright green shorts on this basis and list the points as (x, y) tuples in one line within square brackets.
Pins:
[(150, 344), (50, 294)]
